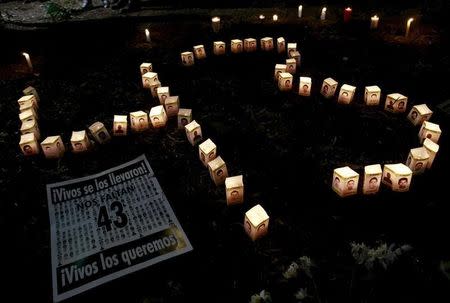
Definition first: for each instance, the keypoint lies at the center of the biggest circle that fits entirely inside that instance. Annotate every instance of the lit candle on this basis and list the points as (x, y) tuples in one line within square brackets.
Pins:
[(147, 35), (215, 22), (323, 14), (408, 26), (275, 18), (262, 17), (30, 65), (374, 22), (300, 10), (347, 14)]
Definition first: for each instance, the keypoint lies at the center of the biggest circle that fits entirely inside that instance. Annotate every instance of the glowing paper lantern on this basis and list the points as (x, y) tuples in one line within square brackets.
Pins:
[(28, 99), (184, 117), (234, 188), (346, 94), (418, 160), (256, 222), (267, 44), (432, 149), (31, 91), (329, 87), (291, 48), (215, 23), (154, 89), (304, 88), (120, 125), (218, 170), (250, 45), (163, 92), (419, 113), (372, 95), (237, 46), (29, 145), (99, 132), (80, 141), (27, 115), (397, 177), (296, 55), (219, 48), (28, 105), (172, 104), (158, 116), (207, 151), (285, 81), (145, 68), (374, 22), (279, 68), (396, 103), (372, 179), (291, 66), (323, 14), (431, 131), (53, 147), (139, 121), (345, 181), (187, 58), (149, 79), (193, 132), (281, 45), (199, 52), (347, 14), (30, 127)]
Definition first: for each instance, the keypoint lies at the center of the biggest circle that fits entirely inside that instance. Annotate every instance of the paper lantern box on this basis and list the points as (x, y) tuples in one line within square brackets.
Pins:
[(199, 51), (30, 127), (372, 179), (291, 66), (418, 160), (372, 95), (145, 68), (281, 45), (139, 121), (291, 48), (29, 99), (53, 147), (80, 141), (219, 48), (27, 115), (218, 170), (249, 45), (297, 57), (193, 132), (120, 125), (345, 181), (419, 113), (346, 94), (329, 87), (28, 106), (234, 187), (29, 145), (154, 89), (304, 88), (285, 81), (396, 103), (172, 105), (207, 151), (99, 132), (431, 131), (163, 92), (432, 149), (236, 46), (279, 68), (187, 58), (397, 177), (184, 117), (267, 43), (149, 79), (256, 222), (158, 116), (30, 90)]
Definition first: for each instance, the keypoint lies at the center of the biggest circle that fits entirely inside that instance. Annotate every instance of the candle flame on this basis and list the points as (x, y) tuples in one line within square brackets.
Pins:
[(410, 20), (275, 17), (348, 9), (215, 19), (375, 17), (26, 55), (324, 9), (262, 17)]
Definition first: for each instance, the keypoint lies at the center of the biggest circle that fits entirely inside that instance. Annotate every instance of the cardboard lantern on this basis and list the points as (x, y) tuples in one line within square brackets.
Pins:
[(429, 130), (193, 132), (372, 179), (372, 95), (297, 57), (207, 151), (285, 81), (145, 68), (30, 90), (187, 58), (139, 121), (219, 48), (53, 147), (432, 149), (237, 46), (267, 43), (279, 68), (99, 132), (28, 99), (80, 141), (29, 105), (184, 117), (281, 45), (397, 176), (199, 51), (234, 187), (120, 125), (218, 170), (291, 66), (149, 79), (30, 127), (418, 160), (154, 89), (172, 105), (249, 45), (329, 87), (163, 92), (27, 115), (291, 48), (346, 94), (256, 222), (396, 103), (29, 145), (419, 113), (345, 181), (304, 88), (158, 116)]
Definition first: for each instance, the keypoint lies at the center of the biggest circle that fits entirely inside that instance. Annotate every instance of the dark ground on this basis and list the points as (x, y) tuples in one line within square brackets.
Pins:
[(286, 146)]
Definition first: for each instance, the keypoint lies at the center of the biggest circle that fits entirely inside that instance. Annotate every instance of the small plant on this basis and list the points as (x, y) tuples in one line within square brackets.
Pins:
[(262, 297), (57, 12), (303, 264), (382, 255)]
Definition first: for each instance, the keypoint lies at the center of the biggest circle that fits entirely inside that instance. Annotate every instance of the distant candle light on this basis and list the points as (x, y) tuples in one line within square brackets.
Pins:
[(323, 14), (374, 22), (347, 14), (408, 26), (275, 17), (215, 21), (147, 35), (30, 65), (262, 17), (300, 10)]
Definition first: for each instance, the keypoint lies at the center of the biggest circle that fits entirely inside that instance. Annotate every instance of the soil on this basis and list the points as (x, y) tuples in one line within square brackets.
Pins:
[(286, 146)]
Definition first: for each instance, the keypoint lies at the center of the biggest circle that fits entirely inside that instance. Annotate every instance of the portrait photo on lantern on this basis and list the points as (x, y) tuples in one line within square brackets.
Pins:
[(234, 151)]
